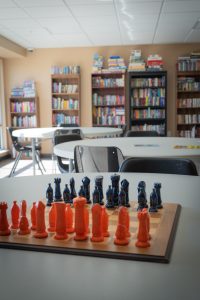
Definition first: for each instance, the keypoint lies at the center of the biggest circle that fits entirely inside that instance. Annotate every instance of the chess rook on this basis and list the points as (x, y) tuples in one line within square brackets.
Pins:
[(143, 234), (97, 232), (40, 221), (61, 233), (80, 226)]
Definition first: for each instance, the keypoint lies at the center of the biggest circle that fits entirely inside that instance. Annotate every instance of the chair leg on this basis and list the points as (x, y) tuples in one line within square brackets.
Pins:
[(39, 159), (15, 164)]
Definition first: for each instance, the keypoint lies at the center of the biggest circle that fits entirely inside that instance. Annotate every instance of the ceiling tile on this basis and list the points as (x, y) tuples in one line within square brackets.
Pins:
[(12, 12), (19, 23), (86, 2), (92, 10), (48, 12), (73, 40), (134, 8), (60, 25), (193, 36), (32, 3), (98, 24), (7, 3), (181, 6)]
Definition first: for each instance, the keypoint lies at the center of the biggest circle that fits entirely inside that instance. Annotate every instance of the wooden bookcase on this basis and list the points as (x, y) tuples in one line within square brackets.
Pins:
[(65, 99), (147, 98), (188, 103), (24, 112), (109, 99)]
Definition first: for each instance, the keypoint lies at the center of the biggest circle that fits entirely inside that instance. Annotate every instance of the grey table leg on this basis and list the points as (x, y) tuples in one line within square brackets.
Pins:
[(33, 154)]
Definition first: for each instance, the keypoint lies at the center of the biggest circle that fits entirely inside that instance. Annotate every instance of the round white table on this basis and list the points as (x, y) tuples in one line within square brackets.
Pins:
[(48, 133), (139, 146)]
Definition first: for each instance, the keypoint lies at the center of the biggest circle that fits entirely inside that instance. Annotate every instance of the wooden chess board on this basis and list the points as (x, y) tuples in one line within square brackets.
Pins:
[(162, 229)]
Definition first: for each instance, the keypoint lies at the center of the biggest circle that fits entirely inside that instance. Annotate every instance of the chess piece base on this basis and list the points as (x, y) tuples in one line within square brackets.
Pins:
[(60, 236), (24, 232), (142, 244), (70, 230), (41, 235), (97, 239), (80, 237), (106, 234), (121, 242), (5, 232)]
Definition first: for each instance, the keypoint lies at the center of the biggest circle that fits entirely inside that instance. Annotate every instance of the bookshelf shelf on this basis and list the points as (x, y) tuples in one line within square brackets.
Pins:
[(65, 99), (109, 99), (147, 98)]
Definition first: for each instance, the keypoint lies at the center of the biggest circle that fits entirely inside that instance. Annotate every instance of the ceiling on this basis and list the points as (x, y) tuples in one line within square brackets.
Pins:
[(85, 23)]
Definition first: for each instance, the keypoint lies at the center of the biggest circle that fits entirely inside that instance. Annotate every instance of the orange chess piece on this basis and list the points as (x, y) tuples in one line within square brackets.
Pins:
[(4, 226), (40, 221), (33, 216), (148, 222), (61, 233), (23, 224), (79, 205), (143, 234), (86, 212), (123, 219), (121, 235), (69, 219), (15, 211), (105, 222), (97, 232), (52, 218)]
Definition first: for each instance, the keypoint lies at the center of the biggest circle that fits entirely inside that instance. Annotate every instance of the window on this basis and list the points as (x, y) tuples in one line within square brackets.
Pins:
[(3, 143)]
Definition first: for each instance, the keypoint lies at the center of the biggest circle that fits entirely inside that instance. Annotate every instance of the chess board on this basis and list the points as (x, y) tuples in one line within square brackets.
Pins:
[(163, 226)]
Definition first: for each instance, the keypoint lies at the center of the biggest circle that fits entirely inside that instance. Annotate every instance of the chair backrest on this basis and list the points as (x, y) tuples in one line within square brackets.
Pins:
[(97, 159), (159, 165), (14, 139), (63, 131), (67, 125), (141, 133)]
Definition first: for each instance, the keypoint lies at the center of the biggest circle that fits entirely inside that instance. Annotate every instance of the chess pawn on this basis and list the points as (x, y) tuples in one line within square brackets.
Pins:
[(72, 190), (79, 205), (122, 197), (125, 185), (69, 219), (143, 235), (15, 211), (105, 222), (40, 221), (109, 197), (4, 226), (23, 224), (97, 232), (81, 192), (52, 218), (148, 222), (49, 195), (142, 187), (157, 187), (120, 235), (153, 201), (96, 196), (66, 194), (33, 216), (141, 199), (61, 233), (86, 187), (58, 195)]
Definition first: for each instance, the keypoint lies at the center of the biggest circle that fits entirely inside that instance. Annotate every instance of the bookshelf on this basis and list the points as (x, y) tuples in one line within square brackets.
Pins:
[(147, 95), (65, 98), (24, 112), (108, 99), (188, 98)]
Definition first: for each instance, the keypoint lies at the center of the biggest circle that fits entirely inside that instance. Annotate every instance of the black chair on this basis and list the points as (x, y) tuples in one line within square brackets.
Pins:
[(133, 133), (159, 165), (23, 148), (68, 125), (60, 137), (97, 159)]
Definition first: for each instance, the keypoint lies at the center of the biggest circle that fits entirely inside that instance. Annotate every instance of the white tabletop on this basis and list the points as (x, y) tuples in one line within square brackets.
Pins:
[(137, 146), (48, 133), (34, 275)]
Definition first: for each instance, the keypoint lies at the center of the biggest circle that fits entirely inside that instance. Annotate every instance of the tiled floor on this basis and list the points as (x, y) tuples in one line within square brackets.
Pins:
[(25, 168)]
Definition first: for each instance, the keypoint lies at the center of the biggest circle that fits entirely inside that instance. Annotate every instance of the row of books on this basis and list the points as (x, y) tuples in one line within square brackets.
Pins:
[(25, 121), (110, 120), (65, 70), (148, 127), (148, 82), (148, 114), (108, 99), (60, 103), (188, 84), (188, 64), (109, 111), (148, 101), (107, 82), (28, 90), (189, 133), (188, 102), (62, 118), (148, 92), (188, 119), (23, 107), (59, 87)]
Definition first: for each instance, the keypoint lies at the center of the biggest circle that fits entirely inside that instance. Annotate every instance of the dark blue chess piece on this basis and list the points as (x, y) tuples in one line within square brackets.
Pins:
[(141, 199), (72, 190), (157, 186), (96, 196), (115, 186), (125, 185), (109, 197), (142, 185), (153, 201), (49, 195), (99, 185), (86, 187), (122, 197), (58, 195), (81, 191), (66, 194)]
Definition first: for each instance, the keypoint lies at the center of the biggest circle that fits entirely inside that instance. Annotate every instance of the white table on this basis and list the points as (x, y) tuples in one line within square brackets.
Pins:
[(138, 146), (48, 133), (34, 275)]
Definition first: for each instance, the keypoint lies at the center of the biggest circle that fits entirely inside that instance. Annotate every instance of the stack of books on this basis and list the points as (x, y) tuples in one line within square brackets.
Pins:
[(29, 89), (154, 62), (17, 92), (97, 63), (116, 63), (136, 63)]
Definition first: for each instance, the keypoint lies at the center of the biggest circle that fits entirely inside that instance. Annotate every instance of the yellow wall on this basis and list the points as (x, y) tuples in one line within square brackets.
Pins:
[(37, 66)]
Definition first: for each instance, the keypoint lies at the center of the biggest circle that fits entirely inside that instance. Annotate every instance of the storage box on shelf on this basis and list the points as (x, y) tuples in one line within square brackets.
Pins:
[(147, 97), (108, 98), (188, 97)]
